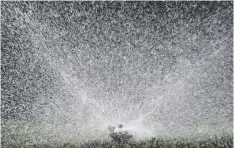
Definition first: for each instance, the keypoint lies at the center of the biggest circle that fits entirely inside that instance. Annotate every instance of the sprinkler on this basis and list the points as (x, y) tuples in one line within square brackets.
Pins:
[(119, 135)]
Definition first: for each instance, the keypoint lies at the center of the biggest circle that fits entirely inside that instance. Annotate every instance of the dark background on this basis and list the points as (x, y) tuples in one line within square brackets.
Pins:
[(170, 59)]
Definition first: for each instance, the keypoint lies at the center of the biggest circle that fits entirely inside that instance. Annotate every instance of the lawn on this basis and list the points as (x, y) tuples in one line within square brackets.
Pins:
[(212, 142)]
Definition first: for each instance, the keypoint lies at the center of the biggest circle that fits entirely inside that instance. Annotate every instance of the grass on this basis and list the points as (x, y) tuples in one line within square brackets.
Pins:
[(214, 142), (17, 136)]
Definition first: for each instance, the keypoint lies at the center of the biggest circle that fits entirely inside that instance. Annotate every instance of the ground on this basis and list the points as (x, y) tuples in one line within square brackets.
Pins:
[(212, 142)]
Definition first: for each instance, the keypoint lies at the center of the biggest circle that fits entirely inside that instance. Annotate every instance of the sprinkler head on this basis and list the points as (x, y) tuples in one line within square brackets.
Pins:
[(120, 125)]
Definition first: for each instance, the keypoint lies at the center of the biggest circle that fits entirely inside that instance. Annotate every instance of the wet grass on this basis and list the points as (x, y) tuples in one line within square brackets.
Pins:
[(214, 142), (222, 142)]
